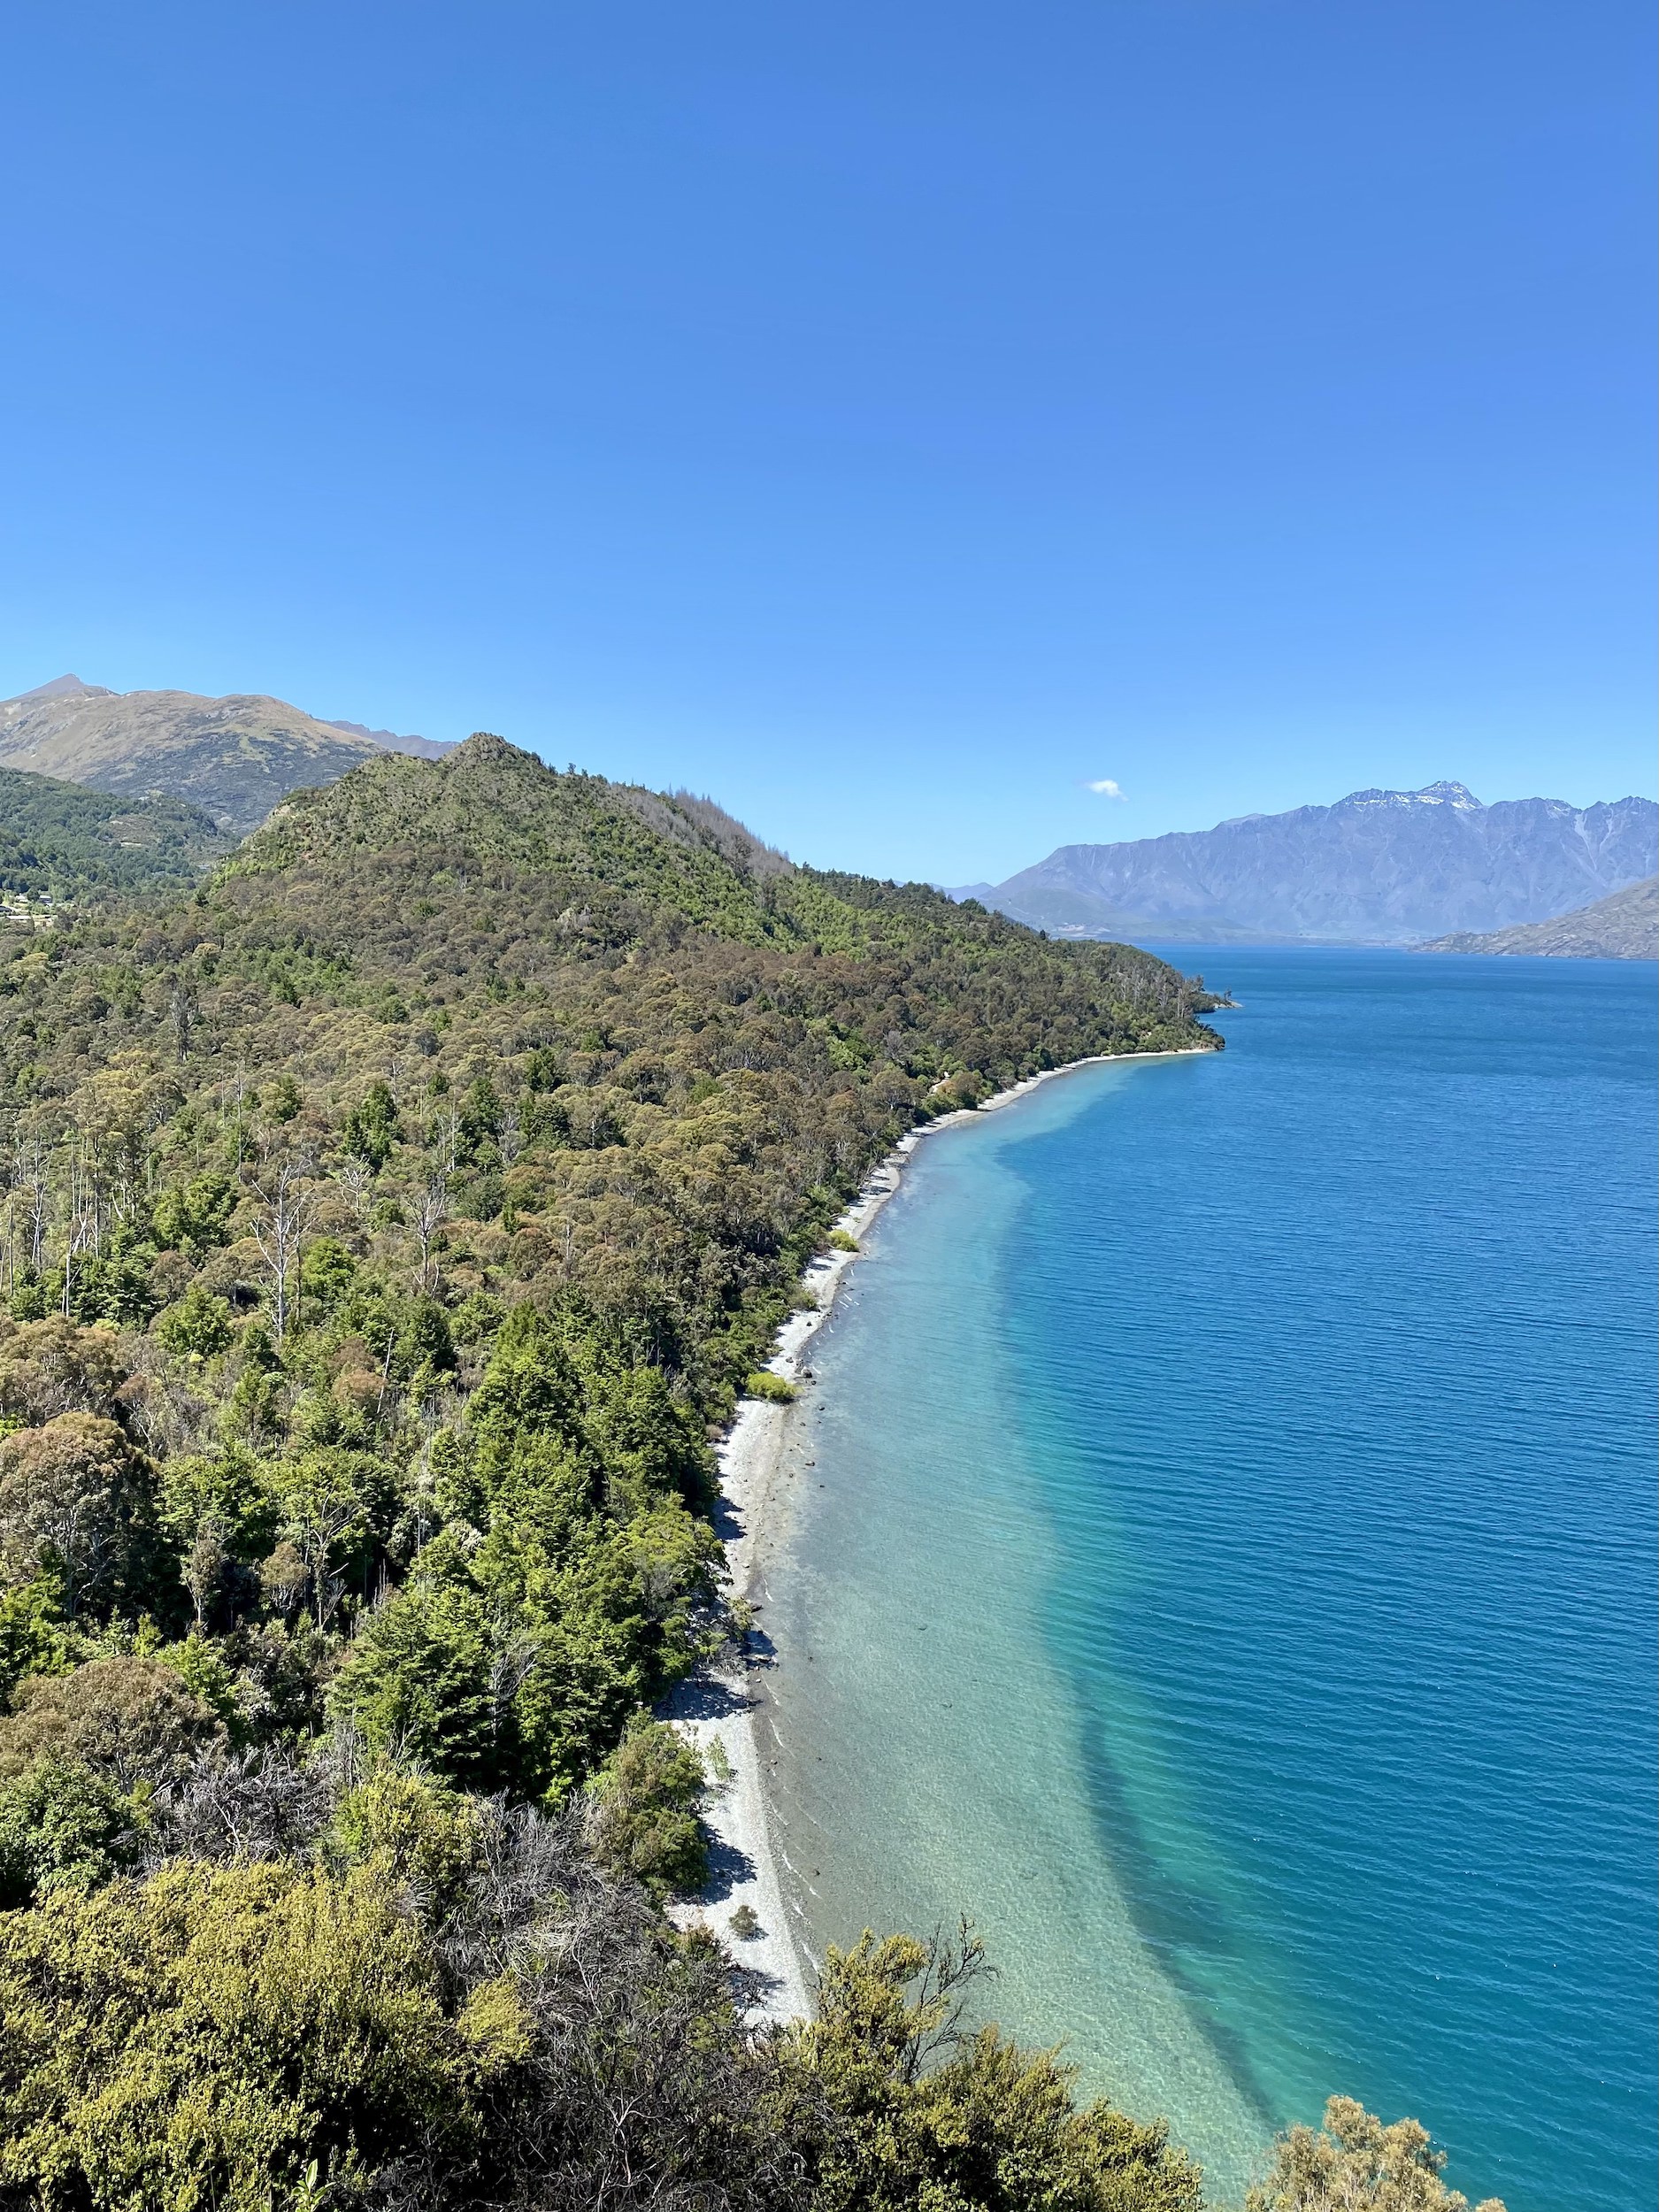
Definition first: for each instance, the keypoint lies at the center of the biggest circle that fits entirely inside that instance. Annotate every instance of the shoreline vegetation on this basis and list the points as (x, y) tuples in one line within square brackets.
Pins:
[(392, 1225)]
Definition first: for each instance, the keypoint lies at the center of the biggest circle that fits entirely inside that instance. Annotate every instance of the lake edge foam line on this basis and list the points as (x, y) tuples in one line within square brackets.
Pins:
[(716, 1707)]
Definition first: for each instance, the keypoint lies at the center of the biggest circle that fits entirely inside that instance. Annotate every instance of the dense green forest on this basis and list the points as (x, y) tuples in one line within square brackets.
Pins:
[(391, 1224), (68, 843)]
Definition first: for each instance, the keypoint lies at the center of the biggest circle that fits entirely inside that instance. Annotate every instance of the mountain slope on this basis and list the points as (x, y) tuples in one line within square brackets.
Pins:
[(65, 841), (1624, 926), (416, 848), (1388, 867), (684, 1056), (233, 757), (488, 807)]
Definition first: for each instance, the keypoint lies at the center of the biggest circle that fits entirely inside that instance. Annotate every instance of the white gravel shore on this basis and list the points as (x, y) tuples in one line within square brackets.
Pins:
[(716, 1707)]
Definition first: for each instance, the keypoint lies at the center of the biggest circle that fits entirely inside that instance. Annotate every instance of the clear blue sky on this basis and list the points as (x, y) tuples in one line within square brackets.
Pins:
[(892, 419)]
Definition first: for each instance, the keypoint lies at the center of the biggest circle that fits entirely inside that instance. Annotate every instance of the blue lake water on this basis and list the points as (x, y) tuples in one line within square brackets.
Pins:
[(1226, 1568)]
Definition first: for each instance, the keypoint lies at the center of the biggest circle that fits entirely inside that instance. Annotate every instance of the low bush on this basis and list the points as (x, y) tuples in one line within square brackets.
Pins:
[(764, 1383)]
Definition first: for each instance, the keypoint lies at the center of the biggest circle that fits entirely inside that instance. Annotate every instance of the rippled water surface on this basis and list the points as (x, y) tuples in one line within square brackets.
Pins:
[(1226, 1567)]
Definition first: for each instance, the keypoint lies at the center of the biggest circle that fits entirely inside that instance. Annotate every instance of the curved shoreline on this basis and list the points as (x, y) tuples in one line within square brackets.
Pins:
[(716, 1708)]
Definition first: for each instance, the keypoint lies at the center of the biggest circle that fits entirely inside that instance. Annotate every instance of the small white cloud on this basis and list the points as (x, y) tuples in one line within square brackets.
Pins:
[(1107, 788)]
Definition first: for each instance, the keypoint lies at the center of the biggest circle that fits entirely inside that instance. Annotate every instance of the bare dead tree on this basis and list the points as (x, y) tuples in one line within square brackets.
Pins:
[(83, 1221), (632, 2104), (356, 1178), (316, 1525), (204, 1565), (289, 1204), (164, 1412), (449, 1135), (511, 1667), (35, 1181), (259, 1804), (431, 1210)]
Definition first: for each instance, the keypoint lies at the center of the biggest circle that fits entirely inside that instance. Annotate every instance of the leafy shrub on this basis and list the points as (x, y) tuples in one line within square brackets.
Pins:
[(62, 1827), (327, 1271), (772, 1388), (914, 2112), (281, 1098), (200, 1665), (1357, 2164), (51, 1366), (372, 1128), (227, 2036), (77, 1503), (194, 1216), (197, 1326), (423, 1834), (128, 1719), (417, 1681), (32, 1636), (644, 1806)]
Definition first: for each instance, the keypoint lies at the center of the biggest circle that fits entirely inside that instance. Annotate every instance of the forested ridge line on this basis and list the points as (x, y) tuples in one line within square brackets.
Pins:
[(391, 1225), (61, 841)]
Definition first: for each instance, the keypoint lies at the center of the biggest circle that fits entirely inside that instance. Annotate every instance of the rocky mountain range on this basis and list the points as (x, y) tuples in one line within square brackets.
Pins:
[(1378, 867), (235, 758), (1623, 927)]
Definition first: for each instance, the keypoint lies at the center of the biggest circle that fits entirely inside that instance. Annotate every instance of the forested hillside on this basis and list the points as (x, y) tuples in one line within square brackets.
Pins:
[(62, 841), (391, 1225)]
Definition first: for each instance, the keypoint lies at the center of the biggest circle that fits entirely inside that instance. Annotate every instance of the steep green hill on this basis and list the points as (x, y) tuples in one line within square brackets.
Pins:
[(489, 808), (623, 861), (689, 1044), (62, 839)]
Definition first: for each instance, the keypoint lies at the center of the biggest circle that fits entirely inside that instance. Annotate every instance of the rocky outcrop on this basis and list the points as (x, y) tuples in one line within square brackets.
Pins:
[(1623, 927)]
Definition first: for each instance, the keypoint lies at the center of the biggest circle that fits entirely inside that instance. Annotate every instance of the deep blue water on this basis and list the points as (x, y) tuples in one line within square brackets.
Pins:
[(1226, 1567)]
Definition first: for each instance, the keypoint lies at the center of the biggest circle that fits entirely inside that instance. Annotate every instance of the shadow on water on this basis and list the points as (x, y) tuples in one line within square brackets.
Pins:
[(1174, 1917)]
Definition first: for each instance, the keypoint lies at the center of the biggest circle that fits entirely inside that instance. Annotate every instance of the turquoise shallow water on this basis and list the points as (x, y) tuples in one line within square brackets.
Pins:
[(1226, 1567)]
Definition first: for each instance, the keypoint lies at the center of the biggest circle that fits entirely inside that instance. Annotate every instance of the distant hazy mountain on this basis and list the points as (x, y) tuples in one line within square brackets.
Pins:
[(1623, 927), (389, 741), (234, 758), (1378, 867)]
